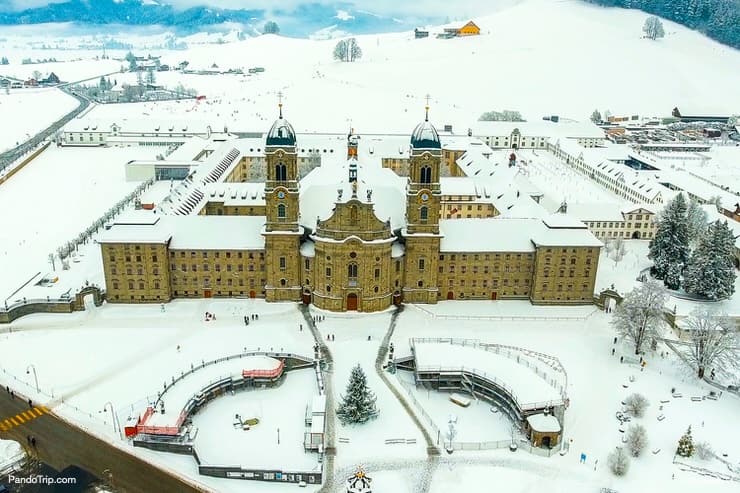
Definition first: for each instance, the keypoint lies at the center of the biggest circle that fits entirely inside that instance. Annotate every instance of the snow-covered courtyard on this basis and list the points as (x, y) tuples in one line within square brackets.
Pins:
[(597, 383)]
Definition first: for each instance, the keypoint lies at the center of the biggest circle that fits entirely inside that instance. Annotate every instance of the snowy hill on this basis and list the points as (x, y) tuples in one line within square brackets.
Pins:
[(539, 57)]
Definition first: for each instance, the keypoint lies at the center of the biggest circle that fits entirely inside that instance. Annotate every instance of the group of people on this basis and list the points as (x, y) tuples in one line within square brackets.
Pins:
[(252, 316), (210, 316)]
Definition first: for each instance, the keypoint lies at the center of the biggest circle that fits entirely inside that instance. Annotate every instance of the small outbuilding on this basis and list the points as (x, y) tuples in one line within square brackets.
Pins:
[(544, 430)]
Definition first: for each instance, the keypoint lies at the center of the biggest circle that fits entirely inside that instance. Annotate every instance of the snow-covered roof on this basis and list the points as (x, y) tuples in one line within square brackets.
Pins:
[(458, 186), (139, 125), (557, 237), (190, 232), (544, 423), (138, 227), (596, 211), (235, 194), (487, 235), (558, 220), (544, 128), (217, 233), (320, 191), (308, 249)]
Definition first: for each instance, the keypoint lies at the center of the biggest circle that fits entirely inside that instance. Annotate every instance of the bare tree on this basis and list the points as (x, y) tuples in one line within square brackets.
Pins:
[(640, 316), (618, 250), (636, 439), (636, 404), (653, 28), (619, 462), (712, 341)]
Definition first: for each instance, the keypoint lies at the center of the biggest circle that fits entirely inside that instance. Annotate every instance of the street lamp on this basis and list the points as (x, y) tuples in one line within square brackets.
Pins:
[(35, 377), (112, 416)]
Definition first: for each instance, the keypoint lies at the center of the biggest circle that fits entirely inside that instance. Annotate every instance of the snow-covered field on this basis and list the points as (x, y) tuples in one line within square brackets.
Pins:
[(28, 111), (52, 200), (531, 57)]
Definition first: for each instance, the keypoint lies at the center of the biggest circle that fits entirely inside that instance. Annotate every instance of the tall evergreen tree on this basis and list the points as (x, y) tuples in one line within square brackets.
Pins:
[(711, 272), (696, 220), (671, 243), (358, 402), (686, 444)]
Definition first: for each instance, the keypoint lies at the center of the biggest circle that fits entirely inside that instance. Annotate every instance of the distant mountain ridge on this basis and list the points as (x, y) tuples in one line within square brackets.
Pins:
[(301, 21)]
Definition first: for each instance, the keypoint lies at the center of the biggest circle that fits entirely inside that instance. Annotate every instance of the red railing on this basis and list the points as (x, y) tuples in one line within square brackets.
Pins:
[(159, 430), (274, 373)]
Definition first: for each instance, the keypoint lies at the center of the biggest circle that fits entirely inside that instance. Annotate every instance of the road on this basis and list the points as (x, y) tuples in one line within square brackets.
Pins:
[(61, 445), (10, 156)]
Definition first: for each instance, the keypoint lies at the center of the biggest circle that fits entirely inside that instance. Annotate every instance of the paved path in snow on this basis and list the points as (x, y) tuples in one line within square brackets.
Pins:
[(60, 445), (330, 433)]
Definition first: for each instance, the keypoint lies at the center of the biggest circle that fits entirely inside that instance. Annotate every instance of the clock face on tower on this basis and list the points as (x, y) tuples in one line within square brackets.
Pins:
[(424, 197), (281, 195)]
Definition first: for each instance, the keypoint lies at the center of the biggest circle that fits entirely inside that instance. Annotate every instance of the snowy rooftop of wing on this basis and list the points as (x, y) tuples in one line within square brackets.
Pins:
[(188, 232), (501, 234)]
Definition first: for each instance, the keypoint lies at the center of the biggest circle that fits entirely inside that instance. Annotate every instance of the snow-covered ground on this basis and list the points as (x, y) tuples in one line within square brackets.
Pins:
[(11, 455), (537, 44), (277, 441), (28, 111), (52, 200), (559, 182), (597, 383)]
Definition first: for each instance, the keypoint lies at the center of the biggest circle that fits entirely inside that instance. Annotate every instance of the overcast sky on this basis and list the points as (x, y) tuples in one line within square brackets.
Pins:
[(421, 8)]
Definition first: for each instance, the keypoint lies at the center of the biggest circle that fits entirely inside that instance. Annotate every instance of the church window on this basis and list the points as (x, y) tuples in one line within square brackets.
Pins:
[(426, 174), (424, 213), (328, 289), (308, 265), (281, 211), (420, 284), (328, 272), (377, 273), (352, 255), (131, 284), (283, 263), (375, 289), (421, 264), (398, 266), (352, 271), (283, 282), (280, 172)]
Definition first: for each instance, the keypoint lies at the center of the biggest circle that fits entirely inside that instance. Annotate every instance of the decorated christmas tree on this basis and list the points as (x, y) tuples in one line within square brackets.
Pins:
[(358, 402), (686, 444)]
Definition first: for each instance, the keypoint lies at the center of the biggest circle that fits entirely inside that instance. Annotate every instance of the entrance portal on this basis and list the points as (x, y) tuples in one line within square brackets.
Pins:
[(252, 294), (351, 301), (494, 295), (207, 293), (450, 295)]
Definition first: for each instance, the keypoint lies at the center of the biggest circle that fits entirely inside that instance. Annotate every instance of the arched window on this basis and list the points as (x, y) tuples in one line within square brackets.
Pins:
[(352, 271), (283, 282), (280, 172), (281, 211), (426, 174), (424, 213)]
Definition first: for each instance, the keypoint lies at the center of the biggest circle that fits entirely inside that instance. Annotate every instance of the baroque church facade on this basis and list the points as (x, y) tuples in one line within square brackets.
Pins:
[(378, 240)]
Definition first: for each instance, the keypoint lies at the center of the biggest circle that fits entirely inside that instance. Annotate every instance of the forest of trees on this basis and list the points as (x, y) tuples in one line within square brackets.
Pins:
[(718, 19)]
